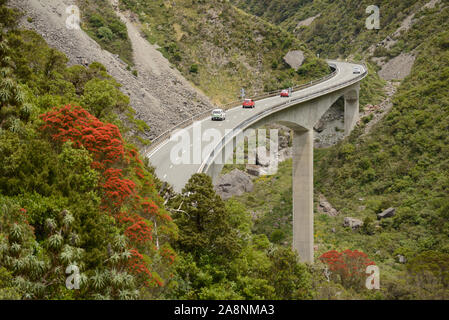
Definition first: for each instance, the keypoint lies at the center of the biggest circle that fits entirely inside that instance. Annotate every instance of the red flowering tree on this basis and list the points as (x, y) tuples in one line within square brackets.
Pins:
[(126, 187), (347, 266)]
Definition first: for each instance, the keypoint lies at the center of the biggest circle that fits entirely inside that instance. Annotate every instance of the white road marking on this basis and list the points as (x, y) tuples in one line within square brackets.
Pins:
[(165, 176)]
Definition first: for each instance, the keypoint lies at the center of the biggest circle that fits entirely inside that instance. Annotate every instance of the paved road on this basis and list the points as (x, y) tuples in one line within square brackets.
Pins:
[(170, 165)]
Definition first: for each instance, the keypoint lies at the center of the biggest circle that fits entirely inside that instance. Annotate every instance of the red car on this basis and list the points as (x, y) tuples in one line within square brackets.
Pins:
[(249, 103), (285, 93)]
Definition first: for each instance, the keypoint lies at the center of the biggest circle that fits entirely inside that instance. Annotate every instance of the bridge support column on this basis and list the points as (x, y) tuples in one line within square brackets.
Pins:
[(351, 110), (303, 194)]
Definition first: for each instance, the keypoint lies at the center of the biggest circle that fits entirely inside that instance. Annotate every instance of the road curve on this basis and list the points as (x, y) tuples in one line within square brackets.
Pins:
[(173, 167)]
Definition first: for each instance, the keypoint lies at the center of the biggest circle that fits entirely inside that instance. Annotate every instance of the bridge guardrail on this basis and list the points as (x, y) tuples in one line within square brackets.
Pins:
[(206, 164), (184, 124)]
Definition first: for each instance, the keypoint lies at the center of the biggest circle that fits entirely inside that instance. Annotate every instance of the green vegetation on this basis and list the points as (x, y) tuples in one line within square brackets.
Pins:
[(104, 26), (340, 29), (402, 163), (371, 88), (51, 196), (278, 11), (74, 193), (220, 48), (222, 259)]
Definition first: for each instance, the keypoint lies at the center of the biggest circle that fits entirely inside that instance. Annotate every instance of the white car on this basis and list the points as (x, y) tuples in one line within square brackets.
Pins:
[(356, 70), (218, 114)]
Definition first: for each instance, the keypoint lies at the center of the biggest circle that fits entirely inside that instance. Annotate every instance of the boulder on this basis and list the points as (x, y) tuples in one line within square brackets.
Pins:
[(263, 157), (253, 170), (294, 58), (397, 68), (233, 183), (325, 207), (285, 154), (401, 259), (352, 222), (387, 213), (283, 141), (319, 126)]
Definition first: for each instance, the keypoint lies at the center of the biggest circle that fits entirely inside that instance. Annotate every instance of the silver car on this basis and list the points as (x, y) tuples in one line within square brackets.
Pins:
[(356, 70), (218, 114)]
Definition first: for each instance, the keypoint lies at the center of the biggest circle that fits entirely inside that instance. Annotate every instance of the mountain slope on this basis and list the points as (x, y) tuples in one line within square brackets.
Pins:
[(338, 27), (75, 194), (222, 49), (401, 163), (102, 24), (159, 99)]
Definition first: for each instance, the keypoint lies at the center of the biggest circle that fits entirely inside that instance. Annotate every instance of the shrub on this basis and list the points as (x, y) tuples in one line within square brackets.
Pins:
[(347, 267), (193, 68)]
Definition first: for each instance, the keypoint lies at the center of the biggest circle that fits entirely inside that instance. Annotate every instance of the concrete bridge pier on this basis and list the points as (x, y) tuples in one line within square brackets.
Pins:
[(301, 118), (303, 194), (351, 109)]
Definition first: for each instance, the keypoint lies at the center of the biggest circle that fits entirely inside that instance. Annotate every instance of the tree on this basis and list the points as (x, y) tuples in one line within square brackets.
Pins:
[(203, 220), (290, 279), (429, 271), (126, 189), (102, 96), (37, 270), (348, 267), (12, 97)]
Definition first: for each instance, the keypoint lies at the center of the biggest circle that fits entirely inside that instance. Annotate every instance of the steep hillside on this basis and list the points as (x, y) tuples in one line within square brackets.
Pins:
[(160, 98), (278, 11), (222, 49), (76, 195), (73, 191), (337, 28), (104, 26), (401, 163)]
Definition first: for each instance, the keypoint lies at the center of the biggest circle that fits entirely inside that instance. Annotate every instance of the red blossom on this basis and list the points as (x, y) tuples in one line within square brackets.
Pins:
[(349, 265), (111, 158)]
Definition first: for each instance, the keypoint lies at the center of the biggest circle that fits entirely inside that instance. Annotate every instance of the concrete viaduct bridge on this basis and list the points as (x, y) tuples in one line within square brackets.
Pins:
[(177, 154)]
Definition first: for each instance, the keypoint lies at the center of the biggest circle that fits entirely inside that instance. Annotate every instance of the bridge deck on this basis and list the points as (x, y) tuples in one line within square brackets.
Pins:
[(178, 174)]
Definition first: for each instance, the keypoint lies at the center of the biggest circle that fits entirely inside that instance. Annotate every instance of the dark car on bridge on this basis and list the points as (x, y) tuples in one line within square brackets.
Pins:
[(249, 103)]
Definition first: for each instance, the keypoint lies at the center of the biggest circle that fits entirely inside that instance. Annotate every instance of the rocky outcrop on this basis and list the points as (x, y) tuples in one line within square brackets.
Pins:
[(390, 212), (233, 183), (263, 158), (267, 161), (324, 207), (307, 22), (352, 223), (330, 128), (319, 126), (397, 68), (285, 154), (294, 58), (377, 112)]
